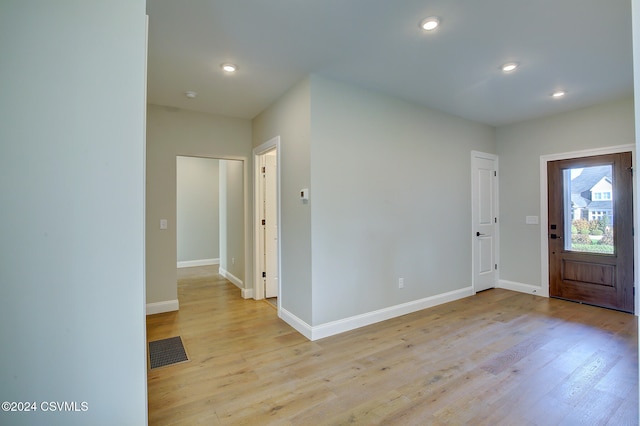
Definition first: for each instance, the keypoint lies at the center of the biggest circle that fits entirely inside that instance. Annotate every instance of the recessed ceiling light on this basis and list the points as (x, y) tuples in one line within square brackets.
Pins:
[(430, 23), (229, 68), (509, 66), (190, 94), (558, 94)]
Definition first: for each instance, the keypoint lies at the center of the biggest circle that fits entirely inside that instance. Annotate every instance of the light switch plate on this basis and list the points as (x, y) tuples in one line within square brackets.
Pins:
[(163, 223)]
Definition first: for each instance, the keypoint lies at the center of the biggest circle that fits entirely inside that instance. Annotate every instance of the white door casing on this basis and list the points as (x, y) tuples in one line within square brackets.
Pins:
[(259, 261), (484, 202)]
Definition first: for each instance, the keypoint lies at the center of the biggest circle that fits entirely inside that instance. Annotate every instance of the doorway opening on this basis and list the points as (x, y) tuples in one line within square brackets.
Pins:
[(587, 240), (266, 222), (210, 216), (591, 230)]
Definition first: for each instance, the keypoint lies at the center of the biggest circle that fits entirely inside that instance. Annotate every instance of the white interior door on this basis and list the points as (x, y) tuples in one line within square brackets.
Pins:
[(484, 216), (271, 225)]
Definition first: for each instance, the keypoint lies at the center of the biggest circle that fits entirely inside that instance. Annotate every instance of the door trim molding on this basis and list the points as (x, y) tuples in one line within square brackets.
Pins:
[(544, 207), (496, 232), (258, 289)]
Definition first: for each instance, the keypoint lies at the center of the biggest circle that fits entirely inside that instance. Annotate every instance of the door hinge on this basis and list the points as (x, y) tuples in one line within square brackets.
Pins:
[(264, 222), (264, 275), (495, 220), (495, 267), (630, 170), (264, 169), (495, 173)]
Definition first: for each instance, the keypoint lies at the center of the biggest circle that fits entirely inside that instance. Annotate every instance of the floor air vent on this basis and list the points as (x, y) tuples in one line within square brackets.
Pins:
[(166, 352)]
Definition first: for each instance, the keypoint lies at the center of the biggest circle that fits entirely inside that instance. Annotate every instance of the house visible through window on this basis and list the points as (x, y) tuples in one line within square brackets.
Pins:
[(589, 209), (598, 214), (601, 195)]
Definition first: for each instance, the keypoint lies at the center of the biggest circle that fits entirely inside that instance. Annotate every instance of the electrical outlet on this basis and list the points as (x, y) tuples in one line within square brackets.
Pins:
[(400, 282)]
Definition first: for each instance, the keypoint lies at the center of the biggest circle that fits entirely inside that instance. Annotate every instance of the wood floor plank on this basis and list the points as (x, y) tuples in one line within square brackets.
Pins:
[(495, 358), (373, 411), (514, 354), (627, 412), (583, 380)]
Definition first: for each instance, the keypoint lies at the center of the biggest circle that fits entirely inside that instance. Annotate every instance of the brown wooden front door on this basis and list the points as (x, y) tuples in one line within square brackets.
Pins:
[(591, 230)]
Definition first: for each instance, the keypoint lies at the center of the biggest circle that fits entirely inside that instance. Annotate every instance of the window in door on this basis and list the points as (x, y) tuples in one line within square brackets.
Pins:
[(589, 209)]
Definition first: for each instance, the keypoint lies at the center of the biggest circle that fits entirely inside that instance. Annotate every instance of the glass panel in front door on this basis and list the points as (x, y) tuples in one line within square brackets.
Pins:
[(588, 209)]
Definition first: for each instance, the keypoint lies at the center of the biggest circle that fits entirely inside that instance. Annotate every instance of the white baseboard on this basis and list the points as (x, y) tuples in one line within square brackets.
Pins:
[(357, 321), (302, 327), (346, 324), (160, 307), (228, 275), (522, 288), (200, 262), (247, 293)]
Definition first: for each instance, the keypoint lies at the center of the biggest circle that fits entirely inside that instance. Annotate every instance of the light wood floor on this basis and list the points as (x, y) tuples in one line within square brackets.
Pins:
[(498, 358)]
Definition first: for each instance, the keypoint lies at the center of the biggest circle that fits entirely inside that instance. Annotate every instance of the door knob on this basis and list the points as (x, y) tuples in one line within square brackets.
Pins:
[(478, 234)]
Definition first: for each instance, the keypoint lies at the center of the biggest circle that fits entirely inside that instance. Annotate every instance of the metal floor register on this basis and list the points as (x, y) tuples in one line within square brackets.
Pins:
[(166, 352)]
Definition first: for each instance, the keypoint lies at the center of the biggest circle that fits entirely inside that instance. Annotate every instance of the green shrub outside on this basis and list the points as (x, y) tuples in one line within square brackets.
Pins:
[(580, 239), (593, 248), (581, 225), (607, 237)]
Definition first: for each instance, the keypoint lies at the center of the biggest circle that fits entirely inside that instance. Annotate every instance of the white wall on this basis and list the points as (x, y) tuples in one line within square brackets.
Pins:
[(390, 191), (289, 118), (198, 210), (232, 233), (390, 198), (72, 189), (520, 147), (170, 133)]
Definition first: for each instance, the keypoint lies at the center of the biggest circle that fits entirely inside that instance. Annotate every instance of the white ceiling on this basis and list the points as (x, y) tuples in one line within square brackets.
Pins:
[(581, 46)]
